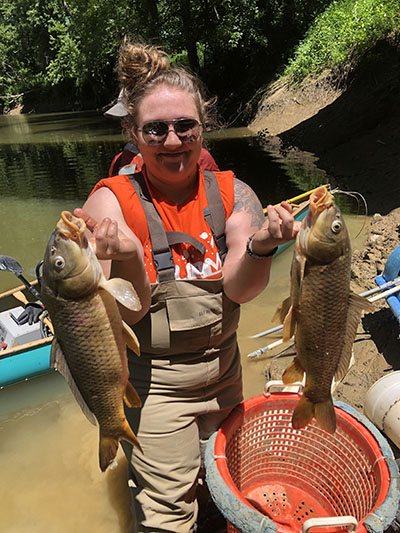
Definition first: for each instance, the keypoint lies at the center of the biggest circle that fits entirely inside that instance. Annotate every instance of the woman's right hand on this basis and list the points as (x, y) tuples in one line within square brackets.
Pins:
[(108, 242)]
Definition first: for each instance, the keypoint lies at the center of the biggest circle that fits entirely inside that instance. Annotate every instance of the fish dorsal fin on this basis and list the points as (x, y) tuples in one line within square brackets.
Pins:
[(130, 338), (289, 325), (301, 260), (131, 397), (58, 362), (357, 305), (122, 291)]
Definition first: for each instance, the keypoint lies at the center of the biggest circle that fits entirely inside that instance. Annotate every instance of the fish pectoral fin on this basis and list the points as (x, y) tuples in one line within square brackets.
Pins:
[(360, 303), (56, 354), (123, 291), (289, 325), (294, 372), (301, 261), (58, 362), (282, 311), (130, 338), (131, 397)]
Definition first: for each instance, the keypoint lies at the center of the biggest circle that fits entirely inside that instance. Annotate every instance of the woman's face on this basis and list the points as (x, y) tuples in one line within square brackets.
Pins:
[(172, 161)]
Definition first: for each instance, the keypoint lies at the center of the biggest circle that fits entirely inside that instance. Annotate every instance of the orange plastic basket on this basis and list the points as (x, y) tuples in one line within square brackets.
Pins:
[(265, 476)]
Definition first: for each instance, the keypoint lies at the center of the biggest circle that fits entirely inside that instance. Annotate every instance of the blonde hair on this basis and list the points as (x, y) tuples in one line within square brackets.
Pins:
[(143, 67)]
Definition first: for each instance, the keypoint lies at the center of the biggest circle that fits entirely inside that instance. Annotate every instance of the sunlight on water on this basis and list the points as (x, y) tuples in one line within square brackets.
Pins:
[(25, 227), (50, 476), (45, 128)]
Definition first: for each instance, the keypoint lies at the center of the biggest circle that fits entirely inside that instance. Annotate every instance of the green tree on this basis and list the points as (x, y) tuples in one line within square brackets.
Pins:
[(64, 51)]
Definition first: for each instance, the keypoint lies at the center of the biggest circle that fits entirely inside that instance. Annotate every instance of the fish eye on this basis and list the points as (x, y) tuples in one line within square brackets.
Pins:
[(336, 226), (59, 263)]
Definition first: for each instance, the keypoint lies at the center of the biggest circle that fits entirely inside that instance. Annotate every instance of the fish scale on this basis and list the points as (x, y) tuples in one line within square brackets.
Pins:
[(89, 325), (319, 334)]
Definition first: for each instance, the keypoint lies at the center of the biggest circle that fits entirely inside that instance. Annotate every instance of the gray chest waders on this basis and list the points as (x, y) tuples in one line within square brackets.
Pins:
[(181, 306)]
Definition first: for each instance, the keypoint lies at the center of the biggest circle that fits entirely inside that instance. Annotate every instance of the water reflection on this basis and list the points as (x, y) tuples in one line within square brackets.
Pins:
[(48, 450), (51, 162)]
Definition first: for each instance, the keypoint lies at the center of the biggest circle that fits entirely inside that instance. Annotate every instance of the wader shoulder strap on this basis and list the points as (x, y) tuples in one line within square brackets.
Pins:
[(127, 169), (161, 240), (215, 213)]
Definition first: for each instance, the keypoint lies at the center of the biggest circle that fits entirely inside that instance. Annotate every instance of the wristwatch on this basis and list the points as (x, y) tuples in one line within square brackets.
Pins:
[(258, 256)]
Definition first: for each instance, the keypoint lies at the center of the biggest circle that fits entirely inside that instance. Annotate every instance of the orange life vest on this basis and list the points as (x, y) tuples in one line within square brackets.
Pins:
[(188, 217)]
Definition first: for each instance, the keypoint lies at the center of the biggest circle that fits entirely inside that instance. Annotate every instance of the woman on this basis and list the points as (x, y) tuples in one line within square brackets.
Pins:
[(168, 230), (129, 160)]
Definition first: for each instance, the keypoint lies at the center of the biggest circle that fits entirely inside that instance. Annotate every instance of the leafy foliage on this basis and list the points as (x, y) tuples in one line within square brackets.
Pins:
[(63, 52), (345, 27)]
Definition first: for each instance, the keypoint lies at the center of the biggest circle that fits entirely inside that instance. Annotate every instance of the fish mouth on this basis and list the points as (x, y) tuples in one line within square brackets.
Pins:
[(71, 227), (320, 200)]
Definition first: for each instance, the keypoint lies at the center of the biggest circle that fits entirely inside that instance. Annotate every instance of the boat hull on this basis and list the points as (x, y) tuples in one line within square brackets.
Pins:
[(24, 362)]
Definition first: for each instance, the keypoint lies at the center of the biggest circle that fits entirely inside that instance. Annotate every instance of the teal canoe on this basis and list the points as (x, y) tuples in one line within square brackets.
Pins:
[(24, 349)]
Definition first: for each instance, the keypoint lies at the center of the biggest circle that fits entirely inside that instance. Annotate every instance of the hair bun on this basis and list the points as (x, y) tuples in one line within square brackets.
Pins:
[(138, 64)]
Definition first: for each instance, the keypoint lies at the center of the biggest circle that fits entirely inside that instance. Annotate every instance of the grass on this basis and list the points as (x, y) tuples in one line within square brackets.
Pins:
[(344, 28)]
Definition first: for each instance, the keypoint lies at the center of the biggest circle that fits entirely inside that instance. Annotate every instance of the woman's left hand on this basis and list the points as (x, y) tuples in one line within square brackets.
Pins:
[(279, 227)]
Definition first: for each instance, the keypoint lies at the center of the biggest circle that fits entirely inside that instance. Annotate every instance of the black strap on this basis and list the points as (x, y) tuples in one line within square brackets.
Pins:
[(161, 240), (162, 254), (177, 237), (215, 213)]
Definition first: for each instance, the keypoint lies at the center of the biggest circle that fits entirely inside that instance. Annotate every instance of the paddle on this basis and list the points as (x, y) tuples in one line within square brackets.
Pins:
[(9, 264), (383, 294)]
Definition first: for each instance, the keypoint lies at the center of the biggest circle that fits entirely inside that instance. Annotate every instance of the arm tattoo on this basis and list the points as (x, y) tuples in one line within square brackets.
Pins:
[(246, 200)]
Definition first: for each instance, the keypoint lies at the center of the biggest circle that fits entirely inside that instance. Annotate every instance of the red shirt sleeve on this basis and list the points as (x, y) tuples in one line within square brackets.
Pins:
[(206, 161)]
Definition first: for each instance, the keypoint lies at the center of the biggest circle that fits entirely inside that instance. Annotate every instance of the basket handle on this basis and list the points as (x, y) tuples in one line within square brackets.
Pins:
[(331, 521), (277, 383)]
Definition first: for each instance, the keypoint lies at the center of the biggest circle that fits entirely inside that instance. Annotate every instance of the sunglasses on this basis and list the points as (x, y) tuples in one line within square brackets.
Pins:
[(155, 132)]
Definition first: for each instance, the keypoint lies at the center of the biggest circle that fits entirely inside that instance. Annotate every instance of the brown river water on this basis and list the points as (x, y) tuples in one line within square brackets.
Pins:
[(50, 479)]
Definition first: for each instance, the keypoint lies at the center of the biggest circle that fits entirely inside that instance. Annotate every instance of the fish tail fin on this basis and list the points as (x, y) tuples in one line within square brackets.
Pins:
[(325, 415), (131, 397), (294, 372), (303, 413), (108, 448)]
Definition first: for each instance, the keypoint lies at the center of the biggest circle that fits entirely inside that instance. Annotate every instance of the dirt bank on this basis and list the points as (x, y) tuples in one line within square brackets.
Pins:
[(350, 122), (351, 131)]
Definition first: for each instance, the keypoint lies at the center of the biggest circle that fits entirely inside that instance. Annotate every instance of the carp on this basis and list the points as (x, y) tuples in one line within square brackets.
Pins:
[(89, 346), (322, 312)]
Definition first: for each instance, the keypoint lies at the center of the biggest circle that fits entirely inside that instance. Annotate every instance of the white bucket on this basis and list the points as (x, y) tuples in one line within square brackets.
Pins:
[(382, 405)]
